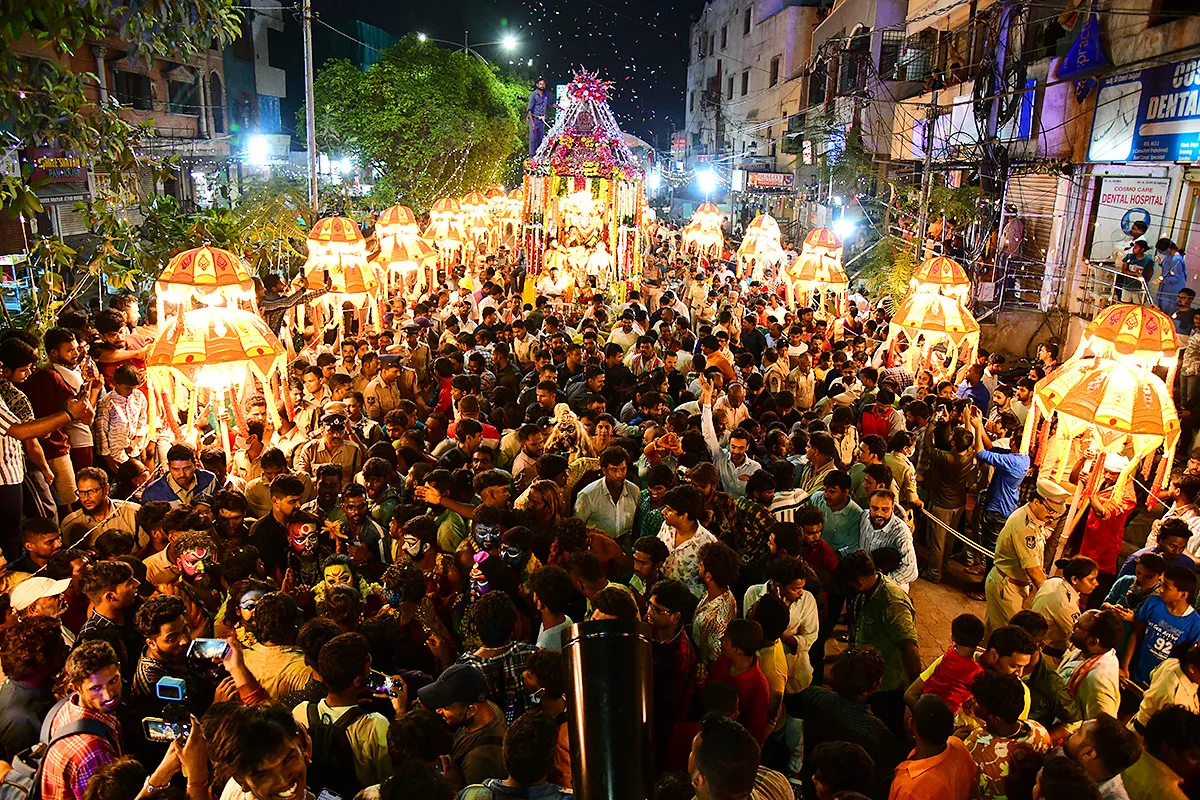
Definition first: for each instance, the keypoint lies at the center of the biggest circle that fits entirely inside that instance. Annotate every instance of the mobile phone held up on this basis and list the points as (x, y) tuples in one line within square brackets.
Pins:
[(158, 729), (381, 684), (208, 648)]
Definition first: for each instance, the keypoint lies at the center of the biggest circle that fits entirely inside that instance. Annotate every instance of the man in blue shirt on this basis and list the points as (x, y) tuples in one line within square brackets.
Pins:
[(539, 103), (973, 389), (1163, 624), (1008, 470)]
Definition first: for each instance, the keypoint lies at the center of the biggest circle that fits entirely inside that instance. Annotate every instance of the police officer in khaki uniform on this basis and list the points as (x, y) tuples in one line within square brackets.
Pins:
[(1019, 550), (381, 394)]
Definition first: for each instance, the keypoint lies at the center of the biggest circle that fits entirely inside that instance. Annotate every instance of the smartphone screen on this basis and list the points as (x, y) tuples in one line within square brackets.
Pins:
[(208, 648), (381, 683), (157, 729)]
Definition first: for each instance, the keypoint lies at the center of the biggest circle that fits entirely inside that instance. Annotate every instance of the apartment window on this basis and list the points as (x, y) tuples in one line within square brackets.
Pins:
[(724, 36), (729, 88), (216, 96), (817, 81), (692, 100), (243, 46), (745, 82), (132, 89), (746, 22), (183, 97), (889, 53), (774, 70)]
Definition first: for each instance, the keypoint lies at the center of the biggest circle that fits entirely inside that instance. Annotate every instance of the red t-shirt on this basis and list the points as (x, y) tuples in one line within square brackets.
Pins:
[(951, 681), (754, 696), (48, 394)]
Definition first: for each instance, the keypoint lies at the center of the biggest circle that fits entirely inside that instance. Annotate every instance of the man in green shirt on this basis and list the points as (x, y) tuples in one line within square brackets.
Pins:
[(883, 617)]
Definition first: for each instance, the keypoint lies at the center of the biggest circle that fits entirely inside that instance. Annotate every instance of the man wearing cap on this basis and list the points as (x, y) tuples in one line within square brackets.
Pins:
[(42, 597), (331, 448), (459, 697), (382, 394), (1018, 567)]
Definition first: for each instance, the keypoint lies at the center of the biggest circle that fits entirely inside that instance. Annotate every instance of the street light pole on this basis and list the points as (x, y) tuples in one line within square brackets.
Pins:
[(310, 120)]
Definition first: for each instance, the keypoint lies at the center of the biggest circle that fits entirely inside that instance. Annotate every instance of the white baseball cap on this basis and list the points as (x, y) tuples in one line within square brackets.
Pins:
[(30, 590)]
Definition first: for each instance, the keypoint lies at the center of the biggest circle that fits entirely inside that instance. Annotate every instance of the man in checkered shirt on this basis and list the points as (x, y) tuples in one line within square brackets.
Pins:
[(94, 677)]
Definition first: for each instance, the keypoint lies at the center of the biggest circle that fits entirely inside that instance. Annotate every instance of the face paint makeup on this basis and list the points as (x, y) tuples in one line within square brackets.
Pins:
[(193, 563), (413, 547), (338, 573), (512, 555), (302, 536), (486, 536)]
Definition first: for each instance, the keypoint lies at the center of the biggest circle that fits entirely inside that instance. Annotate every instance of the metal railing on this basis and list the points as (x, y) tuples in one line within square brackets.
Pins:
[(1102, 286)]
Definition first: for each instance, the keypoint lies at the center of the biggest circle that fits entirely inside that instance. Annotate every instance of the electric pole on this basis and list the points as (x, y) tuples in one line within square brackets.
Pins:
[(926, 175), (310, 120)]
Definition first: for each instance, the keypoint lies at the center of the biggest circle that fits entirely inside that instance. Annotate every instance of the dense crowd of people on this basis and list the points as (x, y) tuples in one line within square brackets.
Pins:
[(357, 579)]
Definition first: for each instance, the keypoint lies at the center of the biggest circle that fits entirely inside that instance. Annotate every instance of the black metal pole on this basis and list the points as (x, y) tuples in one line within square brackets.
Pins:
[(610, 708)]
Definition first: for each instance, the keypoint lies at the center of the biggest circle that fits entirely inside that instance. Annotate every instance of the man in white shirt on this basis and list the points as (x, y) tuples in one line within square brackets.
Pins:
[(610, 503), (1090, 667)]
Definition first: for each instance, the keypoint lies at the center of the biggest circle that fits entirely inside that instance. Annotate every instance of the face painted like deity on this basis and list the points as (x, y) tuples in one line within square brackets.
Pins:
[(487, 537), (338, 573), (302, 536), (196, 564), (514, 556), (413, 547), (247, 603)]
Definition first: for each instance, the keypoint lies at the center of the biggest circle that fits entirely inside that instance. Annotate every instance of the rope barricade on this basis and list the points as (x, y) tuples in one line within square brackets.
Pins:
[(973, 545)]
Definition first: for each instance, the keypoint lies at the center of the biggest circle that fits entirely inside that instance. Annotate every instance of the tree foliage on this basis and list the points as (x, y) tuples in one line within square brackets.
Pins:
[(428, 122), (44, 102)]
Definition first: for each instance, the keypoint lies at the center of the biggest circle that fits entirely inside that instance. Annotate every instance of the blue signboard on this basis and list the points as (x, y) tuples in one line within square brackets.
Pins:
[(1148, 115)]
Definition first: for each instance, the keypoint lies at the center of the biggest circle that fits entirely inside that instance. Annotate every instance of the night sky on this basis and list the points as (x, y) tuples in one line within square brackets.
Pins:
[(639, 45)]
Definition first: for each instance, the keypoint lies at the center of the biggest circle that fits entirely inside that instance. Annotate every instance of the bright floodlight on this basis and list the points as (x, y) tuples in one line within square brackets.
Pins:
[(707, 181), (421, 37), (508, 42), (844, 228), (258, 150), (654, 181)]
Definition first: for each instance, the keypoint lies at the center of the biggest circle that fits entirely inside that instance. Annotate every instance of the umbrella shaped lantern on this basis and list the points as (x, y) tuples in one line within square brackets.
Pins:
[(216, 349), (206, 275), (941, 275), (402, 250), (703, 233), (817, 274), (1139, 336), (931, 320), (761, 244), (1117, 408), (476, 216)]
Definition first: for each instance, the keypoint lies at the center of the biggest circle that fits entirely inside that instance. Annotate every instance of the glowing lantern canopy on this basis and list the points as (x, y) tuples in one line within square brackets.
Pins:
[(207, 275), (817, 271), (516, 203), (941, 275), (1122, 408), (760, 244), (703, 233), (213, 348), (446, 208), (334, 244), (930, 320), (476, 216), (708, 215), (396, 221), (1141, 336), (497, 201)]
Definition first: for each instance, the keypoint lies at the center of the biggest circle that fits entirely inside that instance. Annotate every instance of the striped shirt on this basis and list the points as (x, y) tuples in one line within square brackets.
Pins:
[(12, 452)]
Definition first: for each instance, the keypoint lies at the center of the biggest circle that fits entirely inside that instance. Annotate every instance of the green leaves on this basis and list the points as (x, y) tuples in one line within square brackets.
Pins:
[(428, 122)]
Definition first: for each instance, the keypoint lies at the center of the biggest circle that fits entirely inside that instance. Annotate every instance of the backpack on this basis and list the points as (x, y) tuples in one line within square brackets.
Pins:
[(24, 780), (332, 764)]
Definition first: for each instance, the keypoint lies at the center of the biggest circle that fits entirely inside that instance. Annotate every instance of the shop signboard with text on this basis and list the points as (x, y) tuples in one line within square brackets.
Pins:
[(1148, 115)]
